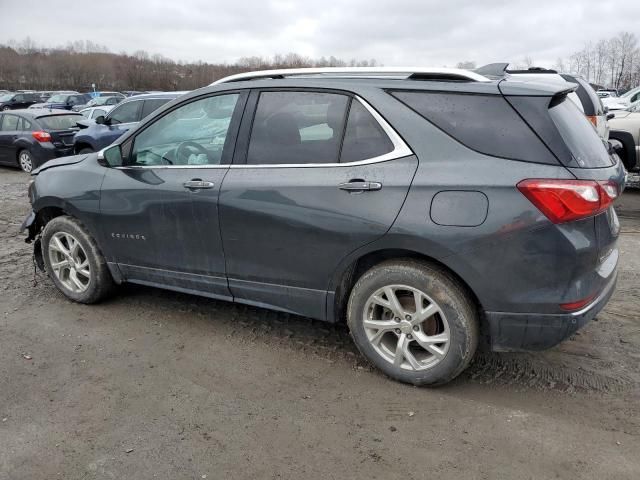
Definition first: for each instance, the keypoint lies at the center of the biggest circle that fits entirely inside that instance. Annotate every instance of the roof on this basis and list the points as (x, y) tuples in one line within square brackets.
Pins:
[(42, 112)]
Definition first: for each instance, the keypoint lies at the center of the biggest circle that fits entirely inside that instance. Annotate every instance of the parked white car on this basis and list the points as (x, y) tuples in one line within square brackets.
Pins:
[(628, 123), (623, 101), (92, 113)]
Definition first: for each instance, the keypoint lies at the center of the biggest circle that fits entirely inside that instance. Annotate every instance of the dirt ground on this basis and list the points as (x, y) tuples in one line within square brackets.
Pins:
[(155, 384)]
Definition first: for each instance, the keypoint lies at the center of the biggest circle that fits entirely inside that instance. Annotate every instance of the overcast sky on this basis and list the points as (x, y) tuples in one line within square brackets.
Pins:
[(394, 32)]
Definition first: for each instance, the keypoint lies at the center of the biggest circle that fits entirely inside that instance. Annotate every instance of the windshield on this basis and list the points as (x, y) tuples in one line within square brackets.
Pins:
[(60, 122), (58, 99), (6, 97), (634, 107), (630, 92)]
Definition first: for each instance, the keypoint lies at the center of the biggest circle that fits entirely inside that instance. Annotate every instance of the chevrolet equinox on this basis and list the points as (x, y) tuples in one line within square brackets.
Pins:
[(429, 208)]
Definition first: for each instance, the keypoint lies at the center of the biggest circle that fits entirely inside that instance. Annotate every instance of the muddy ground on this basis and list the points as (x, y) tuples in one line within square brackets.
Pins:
[(155, 384)]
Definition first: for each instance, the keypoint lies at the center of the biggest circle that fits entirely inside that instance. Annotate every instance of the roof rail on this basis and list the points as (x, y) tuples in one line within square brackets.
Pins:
[(415, 73)]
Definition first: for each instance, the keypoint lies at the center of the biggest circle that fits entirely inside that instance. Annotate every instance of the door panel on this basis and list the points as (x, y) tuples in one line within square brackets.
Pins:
[(161, 232), (285, 229), (8, 134), (160, 212)]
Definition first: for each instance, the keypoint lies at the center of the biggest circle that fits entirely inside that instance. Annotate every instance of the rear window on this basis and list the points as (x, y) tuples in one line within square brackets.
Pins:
[(59, 122), (585, 145), (484, 123)]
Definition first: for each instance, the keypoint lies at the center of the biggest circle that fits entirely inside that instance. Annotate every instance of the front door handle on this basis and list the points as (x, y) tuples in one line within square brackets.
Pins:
[(197, 184), (360, 186)]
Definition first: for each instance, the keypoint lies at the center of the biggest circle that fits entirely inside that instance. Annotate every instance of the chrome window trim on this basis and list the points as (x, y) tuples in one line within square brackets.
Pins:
[(400, 150)]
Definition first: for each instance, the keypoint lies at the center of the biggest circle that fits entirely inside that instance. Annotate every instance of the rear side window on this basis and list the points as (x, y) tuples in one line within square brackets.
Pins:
[(484, 123), (9, 123), (59, 122), (364, 137), (587, 148), (152, 105), (126, 113), (297, 127)]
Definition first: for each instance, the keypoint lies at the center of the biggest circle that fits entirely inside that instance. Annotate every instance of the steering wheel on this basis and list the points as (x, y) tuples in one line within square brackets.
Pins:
[(182, 154)]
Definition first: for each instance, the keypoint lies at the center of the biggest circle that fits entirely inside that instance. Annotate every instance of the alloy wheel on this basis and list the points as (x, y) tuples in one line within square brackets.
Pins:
[(69, 262), (406, 327), (26, 163)]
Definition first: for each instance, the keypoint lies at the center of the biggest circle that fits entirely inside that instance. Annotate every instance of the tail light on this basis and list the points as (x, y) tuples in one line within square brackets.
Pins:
[(567, 200), (593, 119), (573, 306), (41, 136)]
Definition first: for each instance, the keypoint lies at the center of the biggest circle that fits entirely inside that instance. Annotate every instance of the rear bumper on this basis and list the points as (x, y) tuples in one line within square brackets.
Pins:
[(47, 151), (529, 331)]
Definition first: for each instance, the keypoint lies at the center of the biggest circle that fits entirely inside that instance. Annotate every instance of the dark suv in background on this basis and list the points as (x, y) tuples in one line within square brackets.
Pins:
[(15, 101), (427, 208)]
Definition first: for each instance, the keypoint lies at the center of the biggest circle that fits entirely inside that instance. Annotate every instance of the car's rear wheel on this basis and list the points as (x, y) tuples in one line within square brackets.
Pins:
[(5, 108), (25, 160), (413, 321), (74, 262), (85, 150)]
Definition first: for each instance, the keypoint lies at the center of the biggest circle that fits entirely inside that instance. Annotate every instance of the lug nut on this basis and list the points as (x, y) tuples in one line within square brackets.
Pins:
[(398, 331), (416, 328), (409, 337), (397, 319), (408, 317)]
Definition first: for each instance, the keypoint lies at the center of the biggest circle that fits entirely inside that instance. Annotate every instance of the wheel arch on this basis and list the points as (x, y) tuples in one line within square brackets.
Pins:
[(348, 275), (625, 139)]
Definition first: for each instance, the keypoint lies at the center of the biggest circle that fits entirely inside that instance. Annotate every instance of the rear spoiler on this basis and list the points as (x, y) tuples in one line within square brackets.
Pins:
[(500, 70), (493, 70)]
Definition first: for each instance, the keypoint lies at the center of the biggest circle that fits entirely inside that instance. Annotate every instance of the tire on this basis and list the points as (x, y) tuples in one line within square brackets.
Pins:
[(25, 161), (449, 315), (90, 267), (6, 108), (84, 150)]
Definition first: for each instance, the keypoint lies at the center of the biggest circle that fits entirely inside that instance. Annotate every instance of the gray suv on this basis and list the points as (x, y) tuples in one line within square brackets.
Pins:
[(430, 209)]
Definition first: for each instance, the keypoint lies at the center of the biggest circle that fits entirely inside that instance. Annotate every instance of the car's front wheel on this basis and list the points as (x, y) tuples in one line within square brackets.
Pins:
[(74, 262), (414, 321)]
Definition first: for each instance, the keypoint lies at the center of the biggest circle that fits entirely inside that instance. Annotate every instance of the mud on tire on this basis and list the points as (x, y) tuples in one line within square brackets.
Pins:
[(99, 284), (460, 325)]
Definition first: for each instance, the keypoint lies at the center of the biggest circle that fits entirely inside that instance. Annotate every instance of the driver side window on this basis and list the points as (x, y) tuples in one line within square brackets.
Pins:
[(192, 134)]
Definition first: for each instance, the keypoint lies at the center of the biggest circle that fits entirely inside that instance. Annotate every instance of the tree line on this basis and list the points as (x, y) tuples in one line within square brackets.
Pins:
[(78, 65), (611, 62)]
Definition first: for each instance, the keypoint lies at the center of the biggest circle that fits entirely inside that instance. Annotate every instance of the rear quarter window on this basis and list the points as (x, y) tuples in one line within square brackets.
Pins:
[(484, 123)]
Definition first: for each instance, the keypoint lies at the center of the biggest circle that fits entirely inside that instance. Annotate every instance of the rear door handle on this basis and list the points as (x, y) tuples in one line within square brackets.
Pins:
[(360, 186), (197, 184)]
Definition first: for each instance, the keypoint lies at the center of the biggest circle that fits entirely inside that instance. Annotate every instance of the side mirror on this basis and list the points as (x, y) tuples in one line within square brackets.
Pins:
[(110, 156), (100, 120)]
